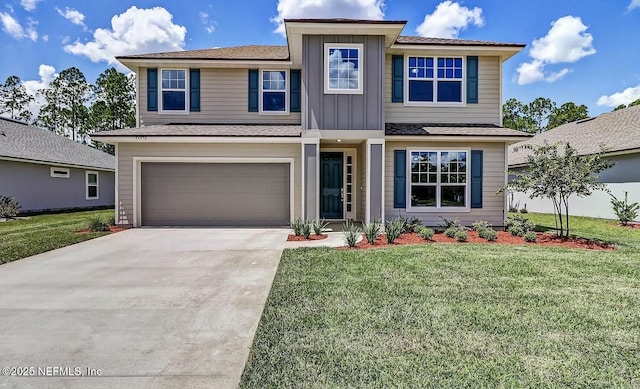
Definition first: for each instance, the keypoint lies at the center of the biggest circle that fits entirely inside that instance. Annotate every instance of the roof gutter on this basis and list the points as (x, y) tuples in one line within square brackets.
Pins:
[(51, 163)]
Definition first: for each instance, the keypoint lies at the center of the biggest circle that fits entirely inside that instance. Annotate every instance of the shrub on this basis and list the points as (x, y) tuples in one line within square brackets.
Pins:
[(461, 236), (624, 211), (97, 225), (372, 231), (516, 231), (485, 232), (530, 236), (111, 221), (394, 229), (297, 226), (306, 228), (426, 233), (446, 223), (350, 233), (9, 207), (412, 225), (480, 225), (319, 225), (490, 235), (519, 221), (524, 209), (450, 232)]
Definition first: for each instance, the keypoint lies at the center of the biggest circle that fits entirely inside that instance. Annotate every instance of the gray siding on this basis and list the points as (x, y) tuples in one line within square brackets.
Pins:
[(224, 99), (493, 179), (626, 169), (488, 109), (310, 180), (32, 185), (341, 111), (375, 182)]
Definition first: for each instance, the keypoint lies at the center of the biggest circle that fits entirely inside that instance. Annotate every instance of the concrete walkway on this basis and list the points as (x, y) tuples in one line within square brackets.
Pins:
[(149, 308)]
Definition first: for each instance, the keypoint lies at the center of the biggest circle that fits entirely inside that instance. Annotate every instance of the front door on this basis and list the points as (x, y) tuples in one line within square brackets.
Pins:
[(331, 192)]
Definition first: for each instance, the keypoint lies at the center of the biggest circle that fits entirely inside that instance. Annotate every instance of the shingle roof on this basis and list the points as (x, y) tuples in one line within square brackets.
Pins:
[(615, 131), (22, 141), (237, 130), (455, 129), (419, 40), (252, 52)]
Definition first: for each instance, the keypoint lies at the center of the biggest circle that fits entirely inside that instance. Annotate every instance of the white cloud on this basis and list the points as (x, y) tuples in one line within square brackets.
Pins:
[(449, 19), (353, 9), (47, 73), (566, 42), (45, 38), (634, 4), (74, 16), (209, 26), (137, 30), (625, 97), (29, 5), (12, 27)]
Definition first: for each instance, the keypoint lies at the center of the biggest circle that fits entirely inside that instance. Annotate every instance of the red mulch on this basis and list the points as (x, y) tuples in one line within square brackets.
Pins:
[(300, 238), (544, 239), (112, 229), (633, 226)]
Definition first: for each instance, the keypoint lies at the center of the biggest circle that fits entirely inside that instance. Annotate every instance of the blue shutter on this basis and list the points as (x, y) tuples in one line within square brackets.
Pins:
[(194, 90), (397, 78), (400, 179), (254, 90), (152, 89), (476, 178), (472, 80), (294, 93)]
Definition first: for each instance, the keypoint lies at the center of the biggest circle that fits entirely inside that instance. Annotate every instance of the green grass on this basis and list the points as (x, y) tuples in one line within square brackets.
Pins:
[(453, 315), (25, 237)]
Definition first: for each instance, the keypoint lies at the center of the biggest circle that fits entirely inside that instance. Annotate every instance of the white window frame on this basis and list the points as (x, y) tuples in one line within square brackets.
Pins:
[(286, 93), (86, 184), (55, 172), (337, 91), (439, 208), (435, 79), (186, 93)]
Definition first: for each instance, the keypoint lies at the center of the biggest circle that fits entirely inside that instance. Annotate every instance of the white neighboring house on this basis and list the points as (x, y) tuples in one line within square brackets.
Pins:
[(619, 133)]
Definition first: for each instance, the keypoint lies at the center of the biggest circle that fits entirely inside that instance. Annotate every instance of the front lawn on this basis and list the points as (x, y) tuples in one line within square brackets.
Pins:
[(25, 237), (452, 315)]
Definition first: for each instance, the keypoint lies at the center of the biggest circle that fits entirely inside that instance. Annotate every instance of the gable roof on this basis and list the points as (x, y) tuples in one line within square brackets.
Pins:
[(29, 143), (615, 131)]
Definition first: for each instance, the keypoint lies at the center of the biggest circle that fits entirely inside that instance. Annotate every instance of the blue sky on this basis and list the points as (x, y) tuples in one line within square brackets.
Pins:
[(585, 51)]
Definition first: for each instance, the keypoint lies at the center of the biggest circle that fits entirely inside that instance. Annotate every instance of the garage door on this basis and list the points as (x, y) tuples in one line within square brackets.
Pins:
[(214, 194)]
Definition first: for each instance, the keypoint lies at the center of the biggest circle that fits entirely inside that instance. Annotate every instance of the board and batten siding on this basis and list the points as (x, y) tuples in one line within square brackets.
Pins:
[(493, 179), (127, 151), (487, 111), (224, 99), (324, 111)]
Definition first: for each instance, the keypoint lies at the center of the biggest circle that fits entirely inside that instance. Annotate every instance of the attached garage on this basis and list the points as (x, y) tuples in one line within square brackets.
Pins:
[(215, 194)]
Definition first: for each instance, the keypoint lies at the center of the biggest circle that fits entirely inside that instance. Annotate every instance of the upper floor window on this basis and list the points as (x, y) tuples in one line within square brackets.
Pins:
[(174, 90), (435, 80), (343, 68), (274, 91)]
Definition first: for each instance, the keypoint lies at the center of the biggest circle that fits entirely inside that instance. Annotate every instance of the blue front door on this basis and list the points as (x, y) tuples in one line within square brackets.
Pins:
[(331, 185)]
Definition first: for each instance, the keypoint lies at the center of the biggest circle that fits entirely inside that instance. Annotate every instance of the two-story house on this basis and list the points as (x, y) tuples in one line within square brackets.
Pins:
[(350, 120)]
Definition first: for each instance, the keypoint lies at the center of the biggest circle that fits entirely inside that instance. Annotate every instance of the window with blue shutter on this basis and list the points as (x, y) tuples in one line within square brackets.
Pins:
[(254, 90), (400, 179), (152, 89), (295, 97), (397, 78), (194, 90), (476, 178), (472, 80)]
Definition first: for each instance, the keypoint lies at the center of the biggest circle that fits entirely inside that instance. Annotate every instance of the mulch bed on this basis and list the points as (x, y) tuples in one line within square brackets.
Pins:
[(112, 229), (300, 238), (633, 226), (544, 239)]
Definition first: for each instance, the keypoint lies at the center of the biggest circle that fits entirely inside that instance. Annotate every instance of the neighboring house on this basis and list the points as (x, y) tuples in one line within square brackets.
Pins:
[(350, 120), (47, 172), (618, 133)]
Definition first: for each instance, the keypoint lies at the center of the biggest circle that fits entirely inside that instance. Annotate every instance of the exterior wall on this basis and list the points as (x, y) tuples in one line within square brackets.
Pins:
[(127, 151), (224, 99), (32, 185), (493, 179), (376, 186), (488, 109), (311, 180), (342, 111), (361, 188)]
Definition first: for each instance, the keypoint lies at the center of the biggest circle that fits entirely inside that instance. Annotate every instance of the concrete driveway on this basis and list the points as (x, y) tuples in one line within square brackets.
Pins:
[(150, 308)]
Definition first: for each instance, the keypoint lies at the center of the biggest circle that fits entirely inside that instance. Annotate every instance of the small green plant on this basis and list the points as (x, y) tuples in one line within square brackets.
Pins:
[(461, 236), (9, 207), (306, 228), (519, 221), (111, 221), (351, 233), (297, 226), (372, 231), (451, 232), (97, 225), (490, 235), (446, 223), (412, 224), (524, 209), (394, 228), (480, 225), (319, 225), (516, 231), (530, 236), (485, 232), (624, 211), (426, 233)]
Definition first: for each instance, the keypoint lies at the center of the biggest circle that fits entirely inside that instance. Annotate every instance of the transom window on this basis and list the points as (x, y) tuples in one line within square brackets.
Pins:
[(439, 179), (92, 185), (343, 68), (174, 90), (274, 91), (435, 79)]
